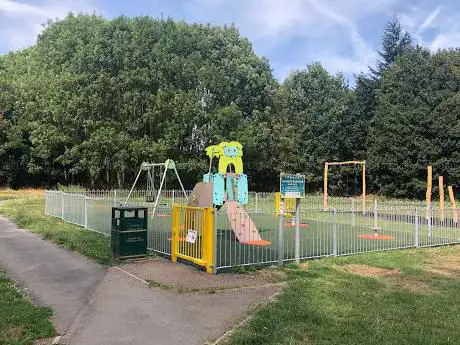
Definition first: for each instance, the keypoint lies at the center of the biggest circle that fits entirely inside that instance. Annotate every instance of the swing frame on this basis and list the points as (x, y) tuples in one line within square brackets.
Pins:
[(326, 172), (169, 164)]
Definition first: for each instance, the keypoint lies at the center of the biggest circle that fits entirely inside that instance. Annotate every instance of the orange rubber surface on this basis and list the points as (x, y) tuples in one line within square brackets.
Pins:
[(376, 237), (258, 243)]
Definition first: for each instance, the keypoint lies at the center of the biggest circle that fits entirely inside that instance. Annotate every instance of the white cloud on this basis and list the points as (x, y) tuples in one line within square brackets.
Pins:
[(362, 55), (14, 8), (434, 27), (445, 40), (21, 22), (325, 30), (343, 35), (429, 20)]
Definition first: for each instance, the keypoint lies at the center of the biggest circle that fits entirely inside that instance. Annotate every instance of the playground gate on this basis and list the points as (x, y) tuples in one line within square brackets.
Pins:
[(193, 236)]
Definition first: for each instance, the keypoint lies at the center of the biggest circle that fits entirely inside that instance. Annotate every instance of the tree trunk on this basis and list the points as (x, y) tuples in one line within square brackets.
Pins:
[(119, 177)]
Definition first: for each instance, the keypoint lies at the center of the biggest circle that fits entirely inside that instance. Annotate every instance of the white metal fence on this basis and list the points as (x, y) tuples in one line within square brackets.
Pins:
[(334, 233), (340, 231)]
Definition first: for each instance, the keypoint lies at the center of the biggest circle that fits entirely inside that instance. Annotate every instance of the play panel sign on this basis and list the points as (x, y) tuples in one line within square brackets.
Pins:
[(292, 186)]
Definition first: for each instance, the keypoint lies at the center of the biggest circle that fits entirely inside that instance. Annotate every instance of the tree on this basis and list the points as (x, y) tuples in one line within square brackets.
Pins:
[(96, 97), (395, 42), (415, 122), (309, 129)]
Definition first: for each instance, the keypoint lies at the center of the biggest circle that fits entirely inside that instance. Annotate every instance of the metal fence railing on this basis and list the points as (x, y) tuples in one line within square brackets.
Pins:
[(334, 233), (270, 238)]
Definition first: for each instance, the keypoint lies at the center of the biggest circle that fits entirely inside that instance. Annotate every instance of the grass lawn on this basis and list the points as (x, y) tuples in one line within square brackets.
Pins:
[(20, 321), (399, 297), (27, 210)]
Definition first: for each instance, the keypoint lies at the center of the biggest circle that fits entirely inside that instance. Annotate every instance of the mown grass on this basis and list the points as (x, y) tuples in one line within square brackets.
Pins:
[(326, 304), (28, 213), (21, 322)]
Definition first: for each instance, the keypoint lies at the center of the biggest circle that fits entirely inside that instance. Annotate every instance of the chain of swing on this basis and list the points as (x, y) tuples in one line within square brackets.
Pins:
[(152, 191)]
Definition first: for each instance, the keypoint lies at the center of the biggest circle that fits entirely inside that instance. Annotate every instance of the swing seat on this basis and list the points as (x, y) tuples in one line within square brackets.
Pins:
[(150, 196)]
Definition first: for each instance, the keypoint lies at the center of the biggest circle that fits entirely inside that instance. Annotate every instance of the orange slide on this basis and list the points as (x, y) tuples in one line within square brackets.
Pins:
[(242, 225)]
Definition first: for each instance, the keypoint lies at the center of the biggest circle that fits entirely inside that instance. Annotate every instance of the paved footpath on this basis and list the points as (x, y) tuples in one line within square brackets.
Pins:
[(52, 276), (95, 306), (124, 311)]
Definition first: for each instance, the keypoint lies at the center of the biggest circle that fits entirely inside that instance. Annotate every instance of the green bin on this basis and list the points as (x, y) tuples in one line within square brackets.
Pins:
[(129, 232)]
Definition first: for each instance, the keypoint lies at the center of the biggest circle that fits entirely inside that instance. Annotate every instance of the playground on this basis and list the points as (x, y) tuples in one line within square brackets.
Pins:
[(220, 225), (172, 294)]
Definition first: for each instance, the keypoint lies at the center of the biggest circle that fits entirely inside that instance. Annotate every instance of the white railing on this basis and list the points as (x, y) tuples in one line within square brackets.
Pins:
[(345, 230)]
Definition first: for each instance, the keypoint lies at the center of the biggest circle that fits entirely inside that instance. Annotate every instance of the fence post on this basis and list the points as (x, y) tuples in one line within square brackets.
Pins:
[(257, 202), (334, 233), (47, 203), (280, 240), (174, 231), (62, 205), (214, 264), (376, 216), (209, 240), (430, 217), (297, 230), (417, 230), (86, 212), (172, 197), (115, 196), (353, 220)]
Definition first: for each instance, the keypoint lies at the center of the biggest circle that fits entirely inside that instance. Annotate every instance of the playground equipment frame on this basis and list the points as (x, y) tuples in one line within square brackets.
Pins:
[(169, 164), (326, 171)]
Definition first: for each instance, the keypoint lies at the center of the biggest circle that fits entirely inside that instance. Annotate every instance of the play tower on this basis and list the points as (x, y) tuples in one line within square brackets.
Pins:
[(225, 185)]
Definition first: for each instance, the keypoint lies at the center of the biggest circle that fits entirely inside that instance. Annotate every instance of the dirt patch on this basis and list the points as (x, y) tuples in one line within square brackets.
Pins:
[(369, 271), (448, 268), (412, 285), (164, 274), (445, 265), (304, 266), (393, 278), (271, 275), (6, 193)]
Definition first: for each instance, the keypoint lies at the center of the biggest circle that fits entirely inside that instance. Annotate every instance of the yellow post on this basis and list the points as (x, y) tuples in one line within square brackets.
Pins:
[(175, 233), (441, 198), (452, 204), (277, 203), (208, 243), (326, 166), (429, 185), (364, 186)]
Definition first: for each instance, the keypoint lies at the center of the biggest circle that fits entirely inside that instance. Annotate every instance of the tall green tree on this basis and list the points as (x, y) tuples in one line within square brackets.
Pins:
[(416, 123), (100, 96), (309, 130), (395, 42)]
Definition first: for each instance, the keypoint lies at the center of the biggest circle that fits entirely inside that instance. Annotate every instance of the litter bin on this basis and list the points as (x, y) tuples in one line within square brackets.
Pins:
[(129, 232)]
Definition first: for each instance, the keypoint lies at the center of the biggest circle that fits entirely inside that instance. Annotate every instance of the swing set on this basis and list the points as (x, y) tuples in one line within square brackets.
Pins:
[(153, 194), (326, 172)]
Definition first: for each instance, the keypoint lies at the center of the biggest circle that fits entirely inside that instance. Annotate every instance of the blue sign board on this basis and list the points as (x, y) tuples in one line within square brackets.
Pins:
[(292, 186)]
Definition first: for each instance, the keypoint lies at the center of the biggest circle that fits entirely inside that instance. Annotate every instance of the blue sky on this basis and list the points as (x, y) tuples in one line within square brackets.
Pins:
[(344, 35)]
